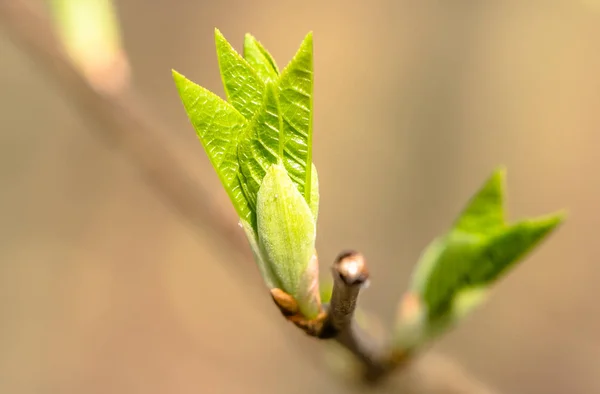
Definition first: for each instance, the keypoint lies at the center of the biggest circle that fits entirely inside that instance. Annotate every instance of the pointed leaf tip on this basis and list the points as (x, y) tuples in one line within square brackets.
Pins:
[(177, 76), (548, 222), (260, 59), (484, 213), (505, 250), (243, 87), (218, 126), (296, 99)]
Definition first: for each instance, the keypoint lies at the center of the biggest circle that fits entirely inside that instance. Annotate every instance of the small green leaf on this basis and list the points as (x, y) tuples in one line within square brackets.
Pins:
[(478, 250), (242, 84), (485, 212), (260, 59), (503, 250), (260, 146), (295, 98), (286, 234), (454, 260), (218, 126)]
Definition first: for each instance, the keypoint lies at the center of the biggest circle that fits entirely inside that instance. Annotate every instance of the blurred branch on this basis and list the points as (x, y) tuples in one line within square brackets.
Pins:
[(90, 33), (119, 118)]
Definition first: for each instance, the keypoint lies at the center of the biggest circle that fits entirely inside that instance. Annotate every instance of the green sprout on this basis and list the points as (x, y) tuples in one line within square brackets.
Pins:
[(259, 141), (456, 271), (260, 144)]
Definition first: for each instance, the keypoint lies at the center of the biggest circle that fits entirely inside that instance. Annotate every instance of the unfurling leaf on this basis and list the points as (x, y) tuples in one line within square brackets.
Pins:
[(286, 234), (456, 270), (259, 143), (295, 100), (242, 84), (260, 146), (218, 126)]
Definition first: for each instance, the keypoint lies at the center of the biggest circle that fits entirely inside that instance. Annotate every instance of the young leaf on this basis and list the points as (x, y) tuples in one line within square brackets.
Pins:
[(476, 252), (265, 268), (260, 59), (242, 84), (485, 212), (260, 146), (453, 257), (218, 126), (466, 262), (503, 250), (295, 99), (286, 234)]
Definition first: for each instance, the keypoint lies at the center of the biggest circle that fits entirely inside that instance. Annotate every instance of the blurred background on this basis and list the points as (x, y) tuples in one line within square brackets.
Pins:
[(105, 288)]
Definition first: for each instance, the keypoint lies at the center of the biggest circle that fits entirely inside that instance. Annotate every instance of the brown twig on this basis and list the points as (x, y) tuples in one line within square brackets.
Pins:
[(350, 275)]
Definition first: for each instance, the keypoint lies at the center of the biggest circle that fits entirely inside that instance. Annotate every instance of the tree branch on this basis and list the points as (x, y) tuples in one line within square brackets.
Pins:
[(350, 275), (121, 120)]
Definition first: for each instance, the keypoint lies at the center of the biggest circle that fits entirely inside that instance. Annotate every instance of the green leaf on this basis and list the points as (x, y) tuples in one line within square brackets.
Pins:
[(218, 126), (286, 234), (295, 98), (451, 259), (260, 59), (260, 146), (501, 251), (265, 268), (314, 192), (242, 84), (485, 212), (478, 250)]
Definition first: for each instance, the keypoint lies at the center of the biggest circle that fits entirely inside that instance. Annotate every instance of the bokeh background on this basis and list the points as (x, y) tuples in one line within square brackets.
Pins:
[(105, 288)]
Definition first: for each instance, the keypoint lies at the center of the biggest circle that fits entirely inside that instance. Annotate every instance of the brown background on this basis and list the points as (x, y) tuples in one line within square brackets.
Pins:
[(105, 289)]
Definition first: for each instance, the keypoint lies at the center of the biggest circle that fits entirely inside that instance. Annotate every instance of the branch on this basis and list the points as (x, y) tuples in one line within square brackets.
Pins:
[(120, 120), (350, 275)]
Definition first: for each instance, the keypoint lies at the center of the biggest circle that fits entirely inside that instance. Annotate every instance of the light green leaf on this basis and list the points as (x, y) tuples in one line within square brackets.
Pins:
[(503, 250), (476, 252), (242, 84), (218, 126), (286, 234), (485, 212), (295, 98), (260, 146), (260, 59), (455, 257), (266, 270), (314, 192)]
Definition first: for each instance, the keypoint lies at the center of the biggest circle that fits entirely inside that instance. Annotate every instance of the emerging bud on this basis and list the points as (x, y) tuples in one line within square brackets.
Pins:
[(286, 238)]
